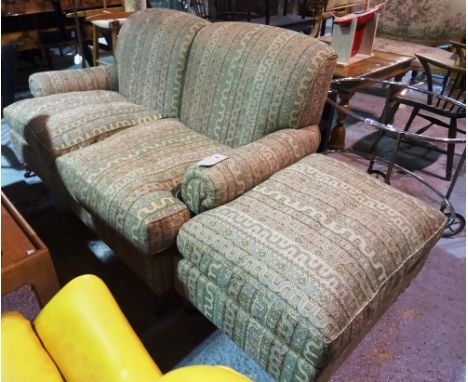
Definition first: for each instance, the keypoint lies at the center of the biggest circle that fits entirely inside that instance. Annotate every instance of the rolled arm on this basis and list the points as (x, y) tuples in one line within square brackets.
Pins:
[(204, 188), (63, 81)]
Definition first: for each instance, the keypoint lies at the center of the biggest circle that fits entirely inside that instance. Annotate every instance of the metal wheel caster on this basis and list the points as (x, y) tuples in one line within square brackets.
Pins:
[(378, 174), (454, 226), (29, 174)]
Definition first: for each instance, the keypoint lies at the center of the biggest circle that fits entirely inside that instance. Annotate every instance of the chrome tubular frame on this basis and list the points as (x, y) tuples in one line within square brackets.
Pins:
[(400, 134)]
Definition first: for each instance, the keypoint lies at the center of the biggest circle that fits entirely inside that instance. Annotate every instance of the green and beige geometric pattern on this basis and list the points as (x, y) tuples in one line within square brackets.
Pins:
[(152, 55), (127, 180), (294, 269), (204, 188), (96, 78), (63, 123), (245, 81)]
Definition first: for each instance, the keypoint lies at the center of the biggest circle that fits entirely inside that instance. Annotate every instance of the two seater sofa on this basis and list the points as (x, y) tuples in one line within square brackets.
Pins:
[(301, 255), (121, 142)]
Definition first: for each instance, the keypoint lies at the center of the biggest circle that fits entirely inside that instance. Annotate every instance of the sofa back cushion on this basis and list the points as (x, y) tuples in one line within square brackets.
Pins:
[(245, 81), (151, 57)]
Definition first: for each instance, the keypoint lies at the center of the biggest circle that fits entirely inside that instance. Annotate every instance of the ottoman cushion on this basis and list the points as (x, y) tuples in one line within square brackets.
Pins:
[(297, 269)]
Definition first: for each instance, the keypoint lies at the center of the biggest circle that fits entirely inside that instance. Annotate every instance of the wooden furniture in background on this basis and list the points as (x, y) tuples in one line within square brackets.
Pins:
[(442, 112), (383, 66), (407, 48), (106, 21), (25, 258), (295, 15), (353, 33)]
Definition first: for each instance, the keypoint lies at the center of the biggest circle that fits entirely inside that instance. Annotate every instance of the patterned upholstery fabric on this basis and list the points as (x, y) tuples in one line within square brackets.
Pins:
[(429, 22), (157, 271), (204, 188), (97, 78), (151, 57), (126, 180), (296, 269), (59, 124), (245, 81)]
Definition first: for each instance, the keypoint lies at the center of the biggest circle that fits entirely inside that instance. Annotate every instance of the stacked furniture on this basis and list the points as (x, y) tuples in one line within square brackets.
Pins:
[(116, 141)]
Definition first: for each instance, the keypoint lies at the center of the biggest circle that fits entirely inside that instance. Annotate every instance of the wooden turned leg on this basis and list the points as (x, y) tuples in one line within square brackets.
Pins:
[(95, 46), (114, 41), (115, 26), (338, 134)]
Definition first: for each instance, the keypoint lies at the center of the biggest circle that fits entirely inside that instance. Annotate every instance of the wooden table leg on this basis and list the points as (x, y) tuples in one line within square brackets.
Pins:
[(115, 27), (338, 134), (326, 123), (114, 40), (390, 108), (95, 46)]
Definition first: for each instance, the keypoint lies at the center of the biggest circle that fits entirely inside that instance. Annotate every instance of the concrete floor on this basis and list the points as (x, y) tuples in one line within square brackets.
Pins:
[(420, 338)]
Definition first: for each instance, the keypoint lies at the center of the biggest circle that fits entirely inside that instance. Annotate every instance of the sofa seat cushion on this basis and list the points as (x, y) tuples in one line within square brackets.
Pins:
[(61, 123), (296, 269), (127, 179)]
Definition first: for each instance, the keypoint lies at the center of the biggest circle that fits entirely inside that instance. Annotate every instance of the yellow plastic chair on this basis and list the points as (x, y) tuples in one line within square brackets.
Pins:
[(82, 335)]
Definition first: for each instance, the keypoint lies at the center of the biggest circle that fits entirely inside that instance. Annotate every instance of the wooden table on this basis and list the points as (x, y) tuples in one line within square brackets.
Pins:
[(25, 258), (392, 59), (106, 20), (411, 48), (383, 66)]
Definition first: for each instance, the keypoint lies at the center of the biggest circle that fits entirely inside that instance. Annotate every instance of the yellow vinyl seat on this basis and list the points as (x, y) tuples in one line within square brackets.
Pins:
[(201, 373), (23, 357), (82, 335)]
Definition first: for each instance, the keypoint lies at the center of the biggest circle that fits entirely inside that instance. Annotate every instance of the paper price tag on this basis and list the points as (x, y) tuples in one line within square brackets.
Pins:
[(212, 160), (368, 122)]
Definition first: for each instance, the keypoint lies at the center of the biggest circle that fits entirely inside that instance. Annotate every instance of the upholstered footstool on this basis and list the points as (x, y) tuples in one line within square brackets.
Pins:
[(297, 270)]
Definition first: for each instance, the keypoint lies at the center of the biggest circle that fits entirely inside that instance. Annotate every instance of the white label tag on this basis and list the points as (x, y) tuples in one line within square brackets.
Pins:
[(212, 160), (368, 122)]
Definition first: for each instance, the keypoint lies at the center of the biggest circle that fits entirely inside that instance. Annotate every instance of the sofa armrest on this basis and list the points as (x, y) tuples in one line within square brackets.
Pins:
[(63, 81), (204, 188)]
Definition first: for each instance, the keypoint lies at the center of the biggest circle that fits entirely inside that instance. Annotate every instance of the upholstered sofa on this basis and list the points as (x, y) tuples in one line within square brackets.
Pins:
[(121, 143)]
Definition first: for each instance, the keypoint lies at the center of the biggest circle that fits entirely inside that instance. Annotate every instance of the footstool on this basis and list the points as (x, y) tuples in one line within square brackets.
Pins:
[(297, 270)]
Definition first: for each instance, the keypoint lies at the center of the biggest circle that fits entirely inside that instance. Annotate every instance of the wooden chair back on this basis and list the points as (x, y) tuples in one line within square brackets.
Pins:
[(450, 84), (460, 50)]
